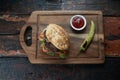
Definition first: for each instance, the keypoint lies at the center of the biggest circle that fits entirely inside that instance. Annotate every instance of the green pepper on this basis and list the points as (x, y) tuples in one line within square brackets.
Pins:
[(89, 38)]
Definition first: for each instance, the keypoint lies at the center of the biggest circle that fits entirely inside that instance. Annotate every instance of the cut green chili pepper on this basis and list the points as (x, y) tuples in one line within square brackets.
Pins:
[(89, 38)]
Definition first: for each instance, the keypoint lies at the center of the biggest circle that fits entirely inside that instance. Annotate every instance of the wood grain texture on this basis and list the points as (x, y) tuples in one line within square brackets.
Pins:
[(112, 36), (39, 20), (10, 43), (18, 17), (21, 69), (108, 7), (9, 37)]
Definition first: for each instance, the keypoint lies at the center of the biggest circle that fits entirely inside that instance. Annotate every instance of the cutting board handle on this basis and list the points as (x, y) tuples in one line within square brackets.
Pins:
[(29, 48)]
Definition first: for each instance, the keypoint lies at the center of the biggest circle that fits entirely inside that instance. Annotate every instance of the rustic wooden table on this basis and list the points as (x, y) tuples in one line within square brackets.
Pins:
[(14, 64)]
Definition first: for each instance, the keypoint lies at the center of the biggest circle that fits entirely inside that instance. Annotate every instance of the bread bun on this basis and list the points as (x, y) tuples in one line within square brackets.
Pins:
[(57, 36)]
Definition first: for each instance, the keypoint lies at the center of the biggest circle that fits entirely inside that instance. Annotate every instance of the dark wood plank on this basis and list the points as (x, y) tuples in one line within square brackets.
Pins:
[(27, 6), (109, 7), (9, 36), (10, 46), (112, 36), (10, 26), (21, 69)]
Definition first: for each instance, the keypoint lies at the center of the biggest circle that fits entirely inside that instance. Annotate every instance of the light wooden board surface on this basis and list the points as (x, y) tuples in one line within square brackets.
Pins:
[(40, 19)]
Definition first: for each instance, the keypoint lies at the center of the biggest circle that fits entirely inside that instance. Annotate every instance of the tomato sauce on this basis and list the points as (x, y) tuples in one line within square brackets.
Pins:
[(78, 22)]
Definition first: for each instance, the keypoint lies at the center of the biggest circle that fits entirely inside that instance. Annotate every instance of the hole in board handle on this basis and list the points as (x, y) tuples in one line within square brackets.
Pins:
[(28, 36)]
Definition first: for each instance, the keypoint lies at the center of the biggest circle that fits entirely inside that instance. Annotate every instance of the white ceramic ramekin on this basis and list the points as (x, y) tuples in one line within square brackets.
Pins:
[(78, 29)]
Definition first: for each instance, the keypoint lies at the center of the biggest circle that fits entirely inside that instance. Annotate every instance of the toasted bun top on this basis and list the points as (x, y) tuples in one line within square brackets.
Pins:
[(57, 36)]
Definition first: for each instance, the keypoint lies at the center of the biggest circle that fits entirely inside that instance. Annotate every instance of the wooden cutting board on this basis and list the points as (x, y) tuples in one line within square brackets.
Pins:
[(40, 19)]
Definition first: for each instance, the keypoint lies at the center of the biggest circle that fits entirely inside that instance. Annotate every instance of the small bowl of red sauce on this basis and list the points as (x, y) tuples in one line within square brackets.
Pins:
[(78, 22)]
